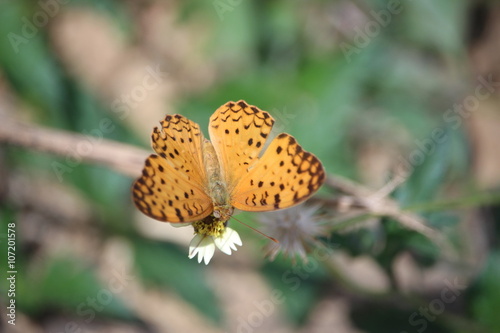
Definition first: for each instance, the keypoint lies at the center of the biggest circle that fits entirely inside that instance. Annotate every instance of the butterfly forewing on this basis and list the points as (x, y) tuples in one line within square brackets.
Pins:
[(179, 142), (238, 132)]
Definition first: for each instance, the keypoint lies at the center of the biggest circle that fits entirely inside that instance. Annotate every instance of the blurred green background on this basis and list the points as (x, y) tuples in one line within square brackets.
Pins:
[(364, 85)]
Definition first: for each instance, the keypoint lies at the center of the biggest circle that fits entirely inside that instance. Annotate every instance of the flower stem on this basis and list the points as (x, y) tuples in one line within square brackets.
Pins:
[(464, 202)]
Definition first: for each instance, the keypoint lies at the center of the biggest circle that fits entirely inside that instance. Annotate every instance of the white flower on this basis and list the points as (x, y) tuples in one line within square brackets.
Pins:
[(228, 241), (204, 245), (296, 228)]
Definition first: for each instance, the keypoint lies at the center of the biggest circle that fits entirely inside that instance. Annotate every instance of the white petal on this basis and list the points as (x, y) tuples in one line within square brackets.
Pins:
[(203, 246), (228, 241), (193, 245), (206, 252)]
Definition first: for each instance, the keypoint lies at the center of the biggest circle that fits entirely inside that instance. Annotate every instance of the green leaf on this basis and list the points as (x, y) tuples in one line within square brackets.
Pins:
[(386, 318), (399, 239), (429, 162), (67, 285), (299, 286), (166, 266), (486, 302), (28, 61)]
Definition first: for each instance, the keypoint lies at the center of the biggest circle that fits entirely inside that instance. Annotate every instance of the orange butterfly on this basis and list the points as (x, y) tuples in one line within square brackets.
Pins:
[(192, 180)]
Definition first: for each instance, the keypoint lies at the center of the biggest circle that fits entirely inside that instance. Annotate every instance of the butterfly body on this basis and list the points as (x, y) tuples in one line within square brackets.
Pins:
[(192, 179), (216, 187)]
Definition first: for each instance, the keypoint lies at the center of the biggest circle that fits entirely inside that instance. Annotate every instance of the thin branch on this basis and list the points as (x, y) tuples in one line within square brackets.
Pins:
[(76, 148), (129, 160), (374, 204)]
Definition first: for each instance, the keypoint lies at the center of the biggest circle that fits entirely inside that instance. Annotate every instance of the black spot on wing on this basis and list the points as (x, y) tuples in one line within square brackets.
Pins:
[(179, 215), (277, 200)]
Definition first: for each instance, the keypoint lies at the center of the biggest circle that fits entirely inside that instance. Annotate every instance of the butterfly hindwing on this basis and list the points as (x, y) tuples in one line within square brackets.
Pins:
[(166, 194), (284, 176), (172, 187)]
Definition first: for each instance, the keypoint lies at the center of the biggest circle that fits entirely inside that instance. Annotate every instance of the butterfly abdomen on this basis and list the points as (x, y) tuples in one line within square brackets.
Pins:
[(216, 187)]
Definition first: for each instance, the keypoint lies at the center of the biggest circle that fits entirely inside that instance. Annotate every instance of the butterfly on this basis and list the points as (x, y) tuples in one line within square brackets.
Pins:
[(193, 180), (190, 177)]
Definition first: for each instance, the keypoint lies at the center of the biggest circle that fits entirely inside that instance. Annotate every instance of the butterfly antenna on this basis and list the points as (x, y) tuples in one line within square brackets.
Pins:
[(257, 231)]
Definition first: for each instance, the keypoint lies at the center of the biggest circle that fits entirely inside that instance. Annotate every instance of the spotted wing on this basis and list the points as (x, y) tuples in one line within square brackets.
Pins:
[(172, 185), (238, 132), (284, 176), (179, 142)]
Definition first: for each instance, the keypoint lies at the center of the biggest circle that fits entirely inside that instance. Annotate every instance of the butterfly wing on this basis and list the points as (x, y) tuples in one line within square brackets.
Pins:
[(172, 185), (238, 132), (284, 176), (179, 142)]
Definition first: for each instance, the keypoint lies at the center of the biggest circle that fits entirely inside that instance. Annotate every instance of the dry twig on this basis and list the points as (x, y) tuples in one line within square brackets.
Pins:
[(123, 158), (376, 203)]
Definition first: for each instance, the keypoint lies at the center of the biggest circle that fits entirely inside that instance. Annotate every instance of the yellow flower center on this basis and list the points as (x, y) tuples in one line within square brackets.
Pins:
[(210, 226)]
